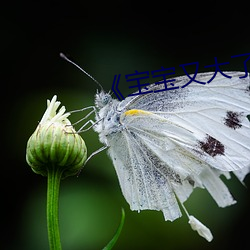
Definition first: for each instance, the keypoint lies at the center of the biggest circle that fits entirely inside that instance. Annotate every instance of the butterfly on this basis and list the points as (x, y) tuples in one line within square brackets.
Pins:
[(164, 144)]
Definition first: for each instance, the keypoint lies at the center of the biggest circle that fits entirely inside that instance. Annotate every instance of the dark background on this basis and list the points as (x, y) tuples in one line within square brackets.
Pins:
[(105, 38)]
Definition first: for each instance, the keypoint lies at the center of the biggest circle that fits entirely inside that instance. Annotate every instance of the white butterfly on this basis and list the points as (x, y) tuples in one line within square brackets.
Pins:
[(165, 144)]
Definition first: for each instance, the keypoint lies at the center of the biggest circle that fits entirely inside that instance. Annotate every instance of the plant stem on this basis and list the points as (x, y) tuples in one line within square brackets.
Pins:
[(54, 177)]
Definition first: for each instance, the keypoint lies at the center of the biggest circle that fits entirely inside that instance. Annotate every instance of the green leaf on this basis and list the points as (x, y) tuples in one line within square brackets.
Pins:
[(117, 234)]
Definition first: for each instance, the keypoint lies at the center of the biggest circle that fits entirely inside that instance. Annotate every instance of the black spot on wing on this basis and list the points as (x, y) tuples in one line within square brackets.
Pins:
[(233, 119), (191, 181), (212, 146)]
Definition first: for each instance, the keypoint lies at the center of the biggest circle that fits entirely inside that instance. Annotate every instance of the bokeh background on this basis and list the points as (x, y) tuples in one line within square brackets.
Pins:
[(105, 38)]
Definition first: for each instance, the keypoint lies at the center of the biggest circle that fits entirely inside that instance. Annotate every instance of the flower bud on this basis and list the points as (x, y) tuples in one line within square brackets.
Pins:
[(55, 144)]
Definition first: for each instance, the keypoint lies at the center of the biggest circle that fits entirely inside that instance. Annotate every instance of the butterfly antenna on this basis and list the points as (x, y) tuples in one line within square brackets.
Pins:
[(68, 60)]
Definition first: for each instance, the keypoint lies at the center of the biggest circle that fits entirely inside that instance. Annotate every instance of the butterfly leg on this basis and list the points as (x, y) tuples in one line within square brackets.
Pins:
[(82, 128), (86, 116), (94, 153)]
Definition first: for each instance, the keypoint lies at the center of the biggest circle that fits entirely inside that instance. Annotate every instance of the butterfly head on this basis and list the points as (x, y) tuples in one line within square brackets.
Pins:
[(102, 99)]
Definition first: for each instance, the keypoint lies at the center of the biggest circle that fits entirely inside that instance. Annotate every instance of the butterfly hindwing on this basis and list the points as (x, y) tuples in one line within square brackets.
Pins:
[(142, 184)]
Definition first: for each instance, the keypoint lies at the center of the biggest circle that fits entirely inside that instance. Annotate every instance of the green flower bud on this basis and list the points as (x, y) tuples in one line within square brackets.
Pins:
[(55, 144)]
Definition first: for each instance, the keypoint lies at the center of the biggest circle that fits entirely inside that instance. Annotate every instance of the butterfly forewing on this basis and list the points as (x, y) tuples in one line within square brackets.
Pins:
[(214, 113)]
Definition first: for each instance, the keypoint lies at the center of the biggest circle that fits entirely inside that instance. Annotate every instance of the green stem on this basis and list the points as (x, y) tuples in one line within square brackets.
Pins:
[(54, 177)]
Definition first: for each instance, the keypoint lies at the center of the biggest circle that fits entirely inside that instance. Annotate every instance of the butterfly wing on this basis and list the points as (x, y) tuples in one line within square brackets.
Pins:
[(142, 186), (175, 140), (215, 113)]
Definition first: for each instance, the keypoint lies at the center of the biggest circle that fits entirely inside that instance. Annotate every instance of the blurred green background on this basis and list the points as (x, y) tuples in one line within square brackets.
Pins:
[(105, 38)]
